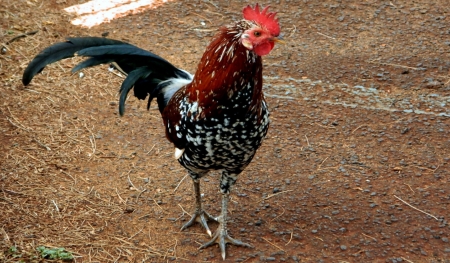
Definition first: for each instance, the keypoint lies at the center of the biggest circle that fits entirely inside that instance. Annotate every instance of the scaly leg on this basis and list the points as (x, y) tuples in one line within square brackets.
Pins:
[(199, 215), (221, 235)]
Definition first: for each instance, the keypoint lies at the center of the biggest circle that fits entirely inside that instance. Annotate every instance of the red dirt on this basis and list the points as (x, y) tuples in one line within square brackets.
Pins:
[(360, 122)]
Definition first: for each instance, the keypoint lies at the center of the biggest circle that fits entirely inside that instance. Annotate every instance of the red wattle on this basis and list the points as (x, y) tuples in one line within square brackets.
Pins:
[(264, 49)]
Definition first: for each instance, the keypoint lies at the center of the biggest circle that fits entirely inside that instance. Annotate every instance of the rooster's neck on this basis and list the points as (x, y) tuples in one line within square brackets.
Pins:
[(227, 70)]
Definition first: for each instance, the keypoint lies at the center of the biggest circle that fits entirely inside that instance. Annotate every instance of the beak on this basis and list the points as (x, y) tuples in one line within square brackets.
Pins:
[(279, 39)]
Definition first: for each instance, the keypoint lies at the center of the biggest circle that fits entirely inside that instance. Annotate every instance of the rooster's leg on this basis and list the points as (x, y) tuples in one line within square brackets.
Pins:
[(221, 235), (199, 215)]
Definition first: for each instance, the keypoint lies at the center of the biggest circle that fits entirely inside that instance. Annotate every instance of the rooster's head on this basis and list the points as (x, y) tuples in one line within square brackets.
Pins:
[(263, 32)]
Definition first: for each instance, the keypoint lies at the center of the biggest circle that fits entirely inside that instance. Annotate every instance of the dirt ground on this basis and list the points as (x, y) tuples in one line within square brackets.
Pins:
[(355, 167)]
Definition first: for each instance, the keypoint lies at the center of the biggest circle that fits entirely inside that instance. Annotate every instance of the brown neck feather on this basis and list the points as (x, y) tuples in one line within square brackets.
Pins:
[(226, 68)]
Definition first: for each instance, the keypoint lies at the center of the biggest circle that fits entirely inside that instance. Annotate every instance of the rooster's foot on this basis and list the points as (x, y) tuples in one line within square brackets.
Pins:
[(201, 217), (221, 237)]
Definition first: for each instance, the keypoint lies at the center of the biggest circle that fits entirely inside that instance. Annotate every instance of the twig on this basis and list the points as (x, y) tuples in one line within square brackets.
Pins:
[(22, 126), (202, 17), (323, 126), (136, 234), (151, 149), (325, 35), (19, 36), (344, 165), (215, 5), (359, 127), (36, 159), (43, 91), (184, 211), (293, 31), (394, 65), (121, 199), (410, 187), (116, 66), (41, 144), (219, 14), (156, 203), (416, 208), (202, 30), (57, 208), (407, 260), (16, 125), (423, 168), (290, 239), (137, 197), (179, 183), (309, 145), (120, 255), (282, 213), (273, 244), (320, 165), (278, 96), (69, 175), (272, 195), (176, 219), (131, 183), (436, 168), (92, 140), (121, 239), (10, 192), (369, 236), (5, 234)]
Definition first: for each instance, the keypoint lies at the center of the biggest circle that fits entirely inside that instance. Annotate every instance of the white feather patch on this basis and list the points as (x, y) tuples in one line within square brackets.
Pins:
[(178, 153), (175, 85)]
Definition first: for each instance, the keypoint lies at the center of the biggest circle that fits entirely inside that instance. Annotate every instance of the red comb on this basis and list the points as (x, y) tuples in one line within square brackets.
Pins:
[(263, 18)]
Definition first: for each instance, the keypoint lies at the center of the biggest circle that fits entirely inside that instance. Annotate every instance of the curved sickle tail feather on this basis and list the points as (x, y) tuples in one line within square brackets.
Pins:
[(146, 72)]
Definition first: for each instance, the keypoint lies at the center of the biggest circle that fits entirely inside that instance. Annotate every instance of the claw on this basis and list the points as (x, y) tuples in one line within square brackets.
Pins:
[(222, 238), (201, 217)]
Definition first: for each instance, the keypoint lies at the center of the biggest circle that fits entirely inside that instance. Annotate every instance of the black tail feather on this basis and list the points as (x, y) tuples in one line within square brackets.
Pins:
[(128, 83), (145, 70), (61, 51), (90, 62)]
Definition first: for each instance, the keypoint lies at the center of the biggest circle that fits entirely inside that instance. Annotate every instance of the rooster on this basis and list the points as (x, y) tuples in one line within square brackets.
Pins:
[(216, 119)]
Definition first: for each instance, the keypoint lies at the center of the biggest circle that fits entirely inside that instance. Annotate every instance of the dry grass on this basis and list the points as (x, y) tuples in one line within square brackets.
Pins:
[(51, 192)]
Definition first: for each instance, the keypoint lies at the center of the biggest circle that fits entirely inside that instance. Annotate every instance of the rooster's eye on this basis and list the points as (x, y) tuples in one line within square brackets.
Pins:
[(257, 33)]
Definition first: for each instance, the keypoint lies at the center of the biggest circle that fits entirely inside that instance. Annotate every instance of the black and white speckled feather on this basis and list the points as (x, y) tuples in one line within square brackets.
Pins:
[(227, 142)]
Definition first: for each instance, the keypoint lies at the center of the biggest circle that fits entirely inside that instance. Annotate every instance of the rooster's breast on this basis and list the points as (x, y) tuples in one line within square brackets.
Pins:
[(228, 140)]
